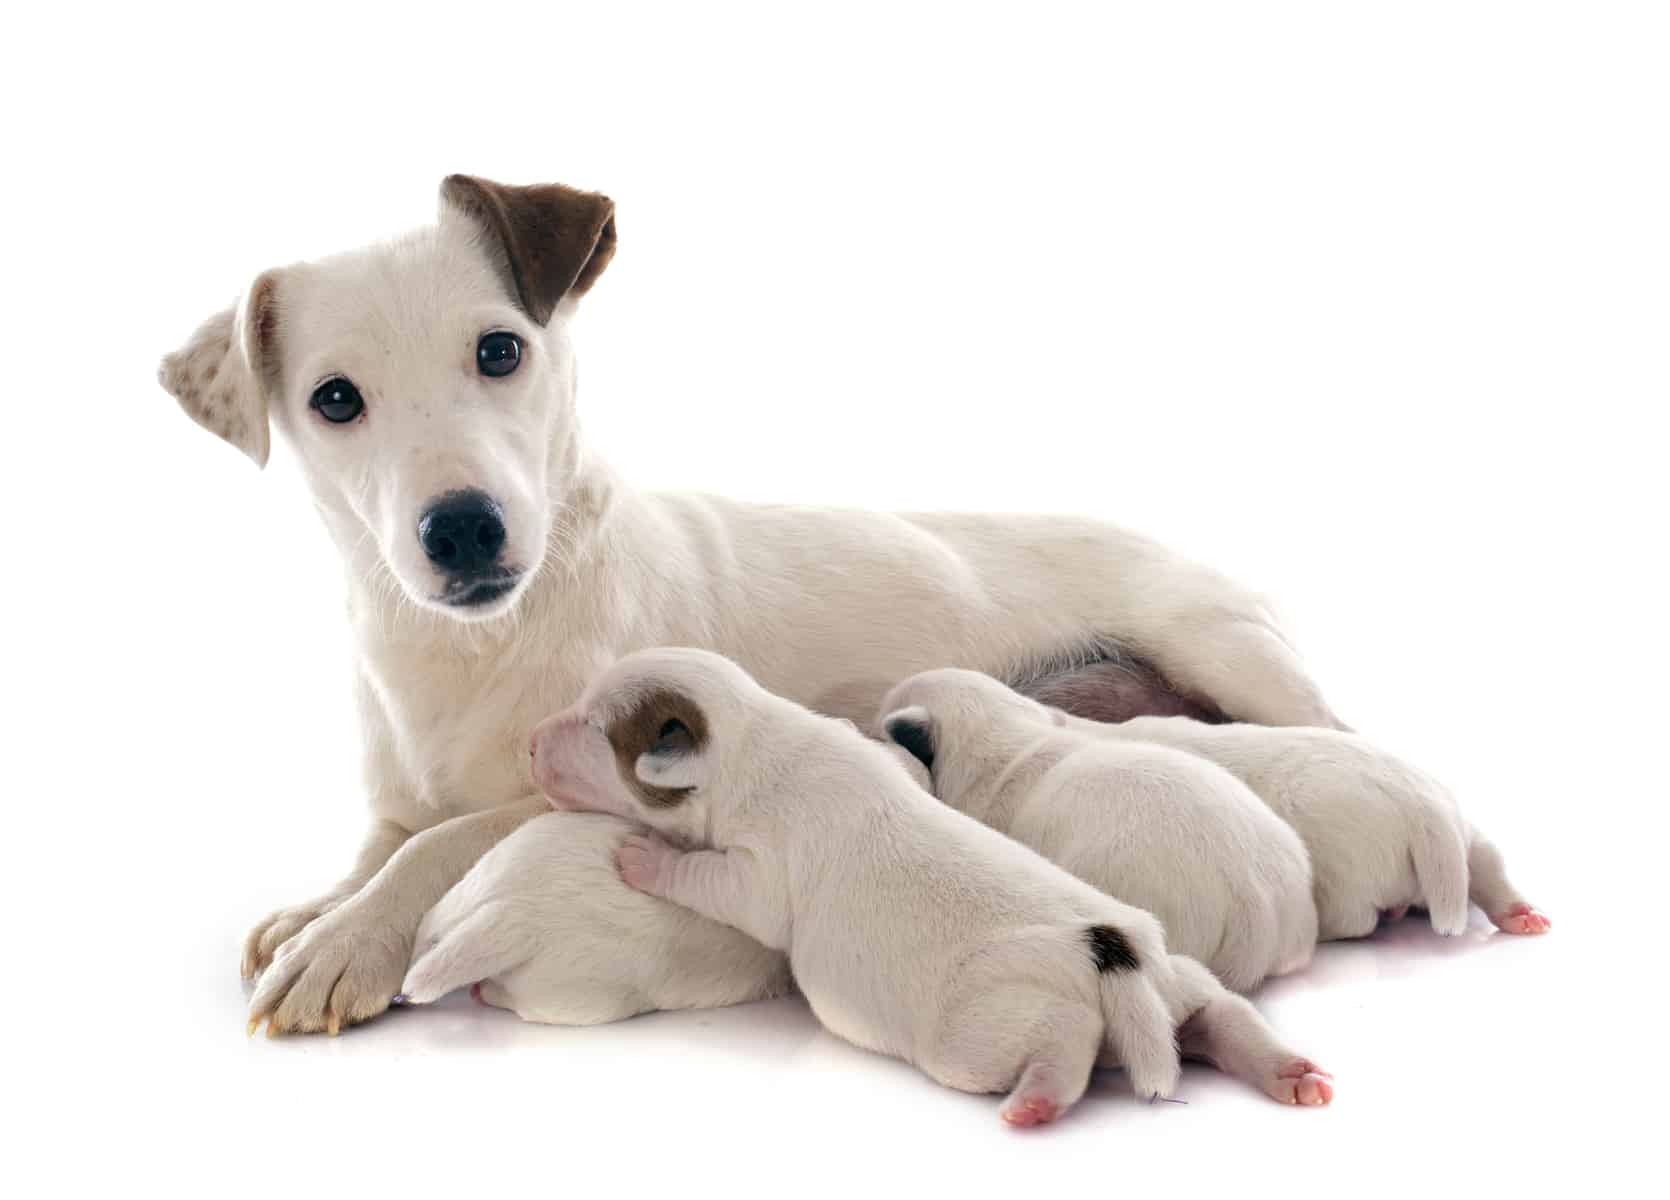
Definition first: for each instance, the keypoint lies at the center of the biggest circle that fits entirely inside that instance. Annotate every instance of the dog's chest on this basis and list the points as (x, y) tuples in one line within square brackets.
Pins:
[(458, 728)]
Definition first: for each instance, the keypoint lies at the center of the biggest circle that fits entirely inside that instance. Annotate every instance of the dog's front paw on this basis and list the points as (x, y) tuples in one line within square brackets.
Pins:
[(343, 968), (264, 939), (643, 860)]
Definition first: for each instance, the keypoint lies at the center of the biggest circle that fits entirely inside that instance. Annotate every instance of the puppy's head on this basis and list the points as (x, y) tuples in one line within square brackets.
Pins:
[(951, 721), (426, 386), (661, 737)]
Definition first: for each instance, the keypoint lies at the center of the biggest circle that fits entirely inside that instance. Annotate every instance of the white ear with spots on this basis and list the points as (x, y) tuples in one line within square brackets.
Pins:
[(222, 374)]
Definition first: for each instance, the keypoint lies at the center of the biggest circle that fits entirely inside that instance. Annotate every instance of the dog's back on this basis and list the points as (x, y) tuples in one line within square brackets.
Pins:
[(1182, 838)]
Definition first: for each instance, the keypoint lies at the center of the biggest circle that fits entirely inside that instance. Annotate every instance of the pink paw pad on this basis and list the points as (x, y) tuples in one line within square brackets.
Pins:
[(1023, 1112), (1521, 918), (1303, 1082), (639, 861)]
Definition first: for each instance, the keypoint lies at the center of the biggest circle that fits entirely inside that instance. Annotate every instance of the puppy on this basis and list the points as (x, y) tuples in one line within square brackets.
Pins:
[(543, 926), (1156, 827), (912, 930), (1383, 836)]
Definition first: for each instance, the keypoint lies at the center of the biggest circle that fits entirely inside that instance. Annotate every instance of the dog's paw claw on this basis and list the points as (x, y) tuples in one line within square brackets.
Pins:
[(340, 972)]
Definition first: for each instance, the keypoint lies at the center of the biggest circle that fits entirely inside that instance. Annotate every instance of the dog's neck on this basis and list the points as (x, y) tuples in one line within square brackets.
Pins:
[(992, 797)]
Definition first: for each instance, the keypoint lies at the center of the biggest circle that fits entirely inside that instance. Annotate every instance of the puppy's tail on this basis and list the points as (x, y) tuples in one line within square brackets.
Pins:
[(1137, 1021), (1439, 847), (485, 944)]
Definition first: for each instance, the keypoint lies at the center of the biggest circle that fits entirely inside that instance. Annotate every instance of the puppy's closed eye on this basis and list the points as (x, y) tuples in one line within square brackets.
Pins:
[(674, 737)]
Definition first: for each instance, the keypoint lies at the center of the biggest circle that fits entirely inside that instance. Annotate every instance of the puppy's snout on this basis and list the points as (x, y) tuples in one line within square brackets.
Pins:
[(553, 742), (463, 532)]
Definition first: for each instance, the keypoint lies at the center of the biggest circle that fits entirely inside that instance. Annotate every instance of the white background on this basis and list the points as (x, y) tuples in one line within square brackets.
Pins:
[(1366, 305)]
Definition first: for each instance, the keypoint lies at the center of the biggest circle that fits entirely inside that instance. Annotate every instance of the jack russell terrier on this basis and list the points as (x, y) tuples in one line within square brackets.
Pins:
[(426, 388)]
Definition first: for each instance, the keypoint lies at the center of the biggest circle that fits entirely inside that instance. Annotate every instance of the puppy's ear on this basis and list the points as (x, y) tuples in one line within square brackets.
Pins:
[(222, 375), (674, 761), (555, 240), (912, 729)]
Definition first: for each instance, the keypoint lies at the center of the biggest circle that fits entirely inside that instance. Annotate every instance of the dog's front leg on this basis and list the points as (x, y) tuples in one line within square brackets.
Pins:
[(263, 941), (347, 965)]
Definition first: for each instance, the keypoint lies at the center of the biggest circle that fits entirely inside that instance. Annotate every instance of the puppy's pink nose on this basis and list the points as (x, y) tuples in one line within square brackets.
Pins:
[(545, 746)]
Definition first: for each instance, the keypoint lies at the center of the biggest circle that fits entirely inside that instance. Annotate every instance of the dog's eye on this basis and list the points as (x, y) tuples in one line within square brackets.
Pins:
[(337, 400), (498, 354), (674, 738)]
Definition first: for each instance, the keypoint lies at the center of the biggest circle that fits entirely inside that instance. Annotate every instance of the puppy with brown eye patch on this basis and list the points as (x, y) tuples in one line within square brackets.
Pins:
[(912, 930)]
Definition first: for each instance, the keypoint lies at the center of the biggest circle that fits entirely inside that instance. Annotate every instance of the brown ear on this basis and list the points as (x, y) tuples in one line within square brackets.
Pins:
[(222, 374), (556, 240)]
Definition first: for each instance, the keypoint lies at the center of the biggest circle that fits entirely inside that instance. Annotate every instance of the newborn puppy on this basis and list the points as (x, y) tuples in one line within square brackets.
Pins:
[(1382, 835), (912, 930), (543, 926), (1156, 827)]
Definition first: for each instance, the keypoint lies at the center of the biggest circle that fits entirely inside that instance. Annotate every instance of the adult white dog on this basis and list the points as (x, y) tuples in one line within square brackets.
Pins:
[(426, 387)]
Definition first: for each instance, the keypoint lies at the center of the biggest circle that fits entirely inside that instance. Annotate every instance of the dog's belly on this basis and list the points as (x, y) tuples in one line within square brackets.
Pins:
[(1111, 689)]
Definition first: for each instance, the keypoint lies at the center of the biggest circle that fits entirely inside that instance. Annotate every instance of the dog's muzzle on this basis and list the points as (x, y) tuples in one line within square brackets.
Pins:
[(463, 535)]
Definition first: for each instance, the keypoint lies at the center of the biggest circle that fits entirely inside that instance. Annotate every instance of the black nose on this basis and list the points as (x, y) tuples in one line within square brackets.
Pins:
[(462, 532)]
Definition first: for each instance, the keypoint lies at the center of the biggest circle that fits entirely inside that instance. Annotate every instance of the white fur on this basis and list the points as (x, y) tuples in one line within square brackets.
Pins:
[(1382, 835), (1158, 828), (827, 606), (912, 930), (541, 921)]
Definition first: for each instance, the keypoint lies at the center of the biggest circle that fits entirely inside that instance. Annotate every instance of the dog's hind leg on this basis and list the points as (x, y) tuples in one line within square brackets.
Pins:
[(1227, 1031), (1058, 1069), (1488, 887)]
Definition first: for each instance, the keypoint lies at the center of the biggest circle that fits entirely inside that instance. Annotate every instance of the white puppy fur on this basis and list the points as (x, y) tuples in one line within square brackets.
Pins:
[(385, 371), (1382, 835), (540, 922), (1156, 827), (911, 929)]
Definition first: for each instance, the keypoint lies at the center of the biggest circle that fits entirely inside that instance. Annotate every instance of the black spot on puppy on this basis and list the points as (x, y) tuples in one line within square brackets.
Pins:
[(910, 729), (1110, 949)]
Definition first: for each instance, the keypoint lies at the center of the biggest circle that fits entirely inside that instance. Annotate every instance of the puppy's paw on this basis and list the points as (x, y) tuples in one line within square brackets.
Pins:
[(342, 969), (1521, 918), (643, 860), (1300, 1081), (1024, 1112), (264, 939)]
